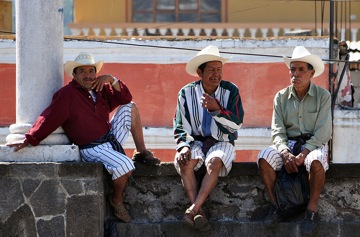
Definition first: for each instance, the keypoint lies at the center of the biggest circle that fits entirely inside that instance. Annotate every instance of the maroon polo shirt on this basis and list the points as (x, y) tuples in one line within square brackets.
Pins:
[(82, 119)]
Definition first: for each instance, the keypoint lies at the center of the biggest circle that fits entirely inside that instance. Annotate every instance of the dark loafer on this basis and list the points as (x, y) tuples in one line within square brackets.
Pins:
[(273, 217), (309, 224)]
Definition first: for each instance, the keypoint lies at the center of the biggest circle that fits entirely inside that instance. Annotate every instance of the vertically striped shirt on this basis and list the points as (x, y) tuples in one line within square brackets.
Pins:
[(189, 113)]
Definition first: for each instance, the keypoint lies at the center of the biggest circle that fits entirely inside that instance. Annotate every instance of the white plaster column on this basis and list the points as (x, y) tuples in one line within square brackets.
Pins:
[(39, 73)]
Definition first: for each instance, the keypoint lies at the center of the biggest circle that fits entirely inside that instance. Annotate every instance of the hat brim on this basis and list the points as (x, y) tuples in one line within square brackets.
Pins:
[(195, 62), (69, 66), (314, 60)]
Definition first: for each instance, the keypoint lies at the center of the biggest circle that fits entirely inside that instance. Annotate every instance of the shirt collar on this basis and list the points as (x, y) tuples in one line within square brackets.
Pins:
[(216, 91), (311, 91)]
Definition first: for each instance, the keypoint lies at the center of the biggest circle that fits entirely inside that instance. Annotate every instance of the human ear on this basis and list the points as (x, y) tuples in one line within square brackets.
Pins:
[(199, 72)]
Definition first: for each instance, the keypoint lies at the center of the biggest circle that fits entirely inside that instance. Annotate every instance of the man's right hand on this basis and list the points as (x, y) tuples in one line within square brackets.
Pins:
[(183, 156), (19, 145)]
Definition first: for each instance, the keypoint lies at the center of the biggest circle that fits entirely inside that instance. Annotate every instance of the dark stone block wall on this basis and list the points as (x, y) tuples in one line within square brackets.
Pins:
[(236, 207), (51, 199), (68, 199)]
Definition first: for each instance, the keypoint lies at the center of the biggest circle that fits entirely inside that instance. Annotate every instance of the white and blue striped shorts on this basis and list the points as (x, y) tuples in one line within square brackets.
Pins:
[(223, 150), (272, 156), (116, 163)]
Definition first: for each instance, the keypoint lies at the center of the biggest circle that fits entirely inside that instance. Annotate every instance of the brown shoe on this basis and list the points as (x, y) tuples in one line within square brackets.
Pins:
[(200, 222), (189, 218), (120, 211), (145, 157)]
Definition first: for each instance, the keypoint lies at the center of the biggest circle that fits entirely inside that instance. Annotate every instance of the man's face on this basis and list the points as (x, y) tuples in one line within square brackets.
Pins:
[(212, 75), (85, 76), (300, 75)]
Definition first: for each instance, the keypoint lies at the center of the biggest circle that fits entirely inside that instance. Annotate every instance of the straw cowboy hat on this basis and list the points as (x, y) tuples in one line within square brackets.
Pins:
[(210, 53), (301, 54), (84, 58)]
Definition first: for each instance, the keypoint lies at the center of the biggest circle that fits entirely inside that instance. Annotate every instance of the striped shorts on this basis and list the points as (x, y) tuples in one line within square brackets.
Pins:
[(223, 150), (272, 156), (116, 163)]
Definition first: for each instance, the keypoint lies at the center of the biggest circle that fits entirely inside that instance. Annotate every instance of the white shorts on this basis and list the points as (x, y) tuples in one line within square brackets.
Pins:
[(223, 150), (116, 163), (272, 156)]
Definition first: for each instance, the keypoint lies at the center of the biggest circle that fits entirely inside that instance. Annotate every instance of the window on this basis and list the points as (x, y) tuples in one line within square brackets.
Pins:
[(176, 11)]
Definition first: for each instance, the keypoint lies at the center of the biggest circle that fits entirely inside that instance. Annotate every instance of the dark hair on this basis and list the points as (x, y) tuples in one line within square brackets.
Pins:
[(74, 70), (310, 67), (202, 67)]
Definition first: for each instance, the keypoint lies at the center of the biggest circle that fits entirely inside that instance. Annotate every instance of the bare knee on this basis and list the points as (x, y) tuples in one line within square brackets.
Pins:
[(128, 174), (214, 165), (264, 166), (316, 167)]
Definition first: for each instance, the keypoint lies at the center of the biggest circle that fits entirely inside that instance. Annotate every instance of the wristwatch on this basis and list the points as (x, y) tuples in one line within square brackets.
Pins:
[(115, 81)]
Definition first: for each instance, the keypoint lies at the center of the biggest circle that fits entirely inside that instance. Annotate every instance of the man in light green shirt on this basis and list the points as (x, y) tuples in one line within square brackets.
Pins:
[(300, 130)]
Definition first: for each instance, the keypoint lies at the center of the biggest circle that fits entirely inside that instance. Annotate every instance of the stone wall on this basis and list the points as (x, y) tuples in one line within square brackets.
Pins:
[(237, 205), (51, 199), (68, 199)]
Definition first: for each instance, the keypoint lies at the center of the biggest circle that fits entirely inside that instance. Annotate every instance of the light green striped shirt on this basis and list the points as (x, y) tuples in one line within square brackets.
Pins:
[(292, 117)]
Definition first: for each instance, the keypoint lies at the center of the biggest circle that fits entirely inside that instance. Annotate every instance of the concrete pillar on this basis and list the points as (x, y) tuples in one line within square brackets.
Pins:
[(39, 71)]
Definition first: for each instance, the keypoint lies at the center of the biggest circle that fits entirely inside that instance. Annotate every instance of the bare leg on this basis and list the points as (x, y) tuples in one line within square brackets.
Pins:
[(137, 129), (268, 177), (316, 182), (188, 179), (119, 187), (209, 182)]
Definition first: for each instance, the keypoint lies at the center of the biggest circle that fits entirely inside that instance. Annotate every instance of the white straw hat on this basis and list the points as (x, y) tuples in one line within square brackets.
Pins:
[(84, 58), (301, 54), (210, 53)]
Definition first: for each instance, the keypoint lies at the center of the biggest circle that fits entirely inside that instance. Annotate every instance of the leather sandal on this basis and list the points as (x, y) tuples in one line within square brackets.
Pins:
[(189, 218), (145, 157), (120, 211), (200, 222)]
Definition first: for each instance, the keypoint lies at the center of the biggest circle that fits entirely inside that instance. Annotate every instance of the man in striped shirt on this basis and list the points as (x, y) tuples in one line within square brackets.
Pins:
[(209, 112)]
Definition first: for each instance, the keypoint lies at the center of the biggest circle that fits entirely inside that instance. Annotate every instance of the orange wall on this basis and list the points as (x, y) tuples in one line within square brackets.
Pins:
[(7, 92), (154, 88), (167, 155)]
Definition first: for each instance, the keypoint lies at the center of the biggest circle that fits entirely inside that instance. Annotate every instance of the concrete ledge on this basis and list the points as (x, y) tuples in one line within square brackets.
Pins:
[(41, 153), (338, 170)]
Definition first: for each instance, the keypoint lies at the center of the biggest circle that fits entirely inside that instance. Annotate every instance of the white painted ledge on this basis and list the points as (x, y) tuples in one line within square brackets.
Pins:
[(162, 138), (41, 153)]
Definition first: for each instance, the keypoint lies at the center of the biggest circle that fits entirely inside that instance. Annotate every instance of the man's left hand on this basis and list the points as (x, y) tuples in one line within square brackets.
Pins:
[(101, 81), (289, 161)]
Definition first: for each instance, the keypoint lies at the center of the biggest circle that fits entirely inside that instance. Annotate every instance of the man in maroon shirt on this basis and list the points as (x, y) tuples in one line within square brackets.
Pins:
[(82, 108)]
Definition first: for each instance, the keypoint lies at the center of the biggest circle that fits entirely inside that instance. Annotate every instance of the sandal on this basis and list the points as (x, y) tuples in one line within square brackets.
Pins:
[(189, 218), (200, 222), (145, 157), (120, 211)]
